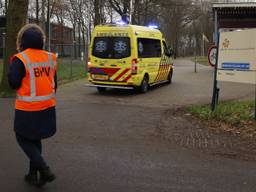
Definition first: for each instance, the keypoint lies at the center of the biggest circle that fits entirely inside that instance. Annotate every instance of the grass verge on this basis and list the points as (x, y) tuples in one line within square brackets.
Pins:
[(203, 60), (69, 70), (232, 112)]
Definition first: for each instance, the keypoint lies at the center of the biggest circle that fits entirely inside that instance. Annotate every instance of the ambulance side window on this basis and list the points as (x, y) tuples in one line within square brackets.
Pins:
[(165, 48), (167, 51), (148, 48)]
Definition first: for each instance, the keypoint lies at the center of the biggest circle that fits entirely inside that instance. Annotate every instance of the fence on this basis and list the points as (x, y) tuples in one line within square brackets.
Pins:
[(69, 50), (72, 61), (70, 69), (63, 50), (2, 36)]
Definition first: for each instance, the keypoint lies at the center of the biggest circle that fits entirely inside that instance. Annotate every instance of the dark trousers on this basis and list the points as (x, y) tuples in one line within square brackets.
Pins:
[(33, 150)]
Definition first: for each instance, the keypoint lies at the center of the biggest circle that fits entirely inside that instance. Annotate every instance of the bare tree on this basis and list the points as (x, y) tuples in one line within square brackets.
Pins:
[(3, 7), (1, 4), (60, 12), (16, 17), (122, 7), (74, 20), (182, 21), (37, 11), (176, 16), (43, 13), (200, 25), (33, 10), (98, 12), (82, 16)]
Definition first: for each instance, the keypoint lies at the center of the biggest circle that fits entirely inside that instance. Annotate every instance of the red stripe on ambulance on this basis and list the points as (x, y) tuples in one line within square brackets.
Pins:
[(121, 74)]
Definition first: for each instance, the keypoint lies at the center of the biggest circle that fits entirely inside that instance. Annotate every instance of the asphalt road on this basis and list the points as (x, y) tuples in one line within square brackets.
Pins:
[(107, 143)]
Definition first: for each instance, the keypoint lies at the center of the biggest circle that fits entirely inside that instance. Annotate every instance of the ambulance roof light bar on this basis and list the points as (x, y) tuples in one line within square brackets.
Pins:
[(153, 26), (121, 22)]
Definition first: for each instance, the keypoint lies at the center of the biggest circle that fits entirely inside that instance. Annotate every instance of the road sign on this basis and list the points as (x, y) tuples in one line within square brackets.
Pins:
[(212, 52)]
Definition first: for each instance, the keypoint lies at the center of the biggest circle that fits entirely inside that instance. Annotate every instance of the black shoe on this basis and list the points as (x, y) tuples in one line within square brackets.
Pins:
[(31, 178), (45, 176)]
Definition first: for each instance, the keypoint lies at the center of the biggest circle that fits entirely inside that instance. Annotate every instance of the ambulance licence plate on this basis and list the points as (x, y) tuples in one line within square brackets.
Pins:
[(100, 77)]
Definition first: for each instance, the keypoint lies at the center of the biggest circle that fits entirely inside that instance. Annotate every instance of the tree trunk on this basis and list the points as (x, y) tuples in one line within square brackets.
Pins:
[(43, 20), (16, 18), (74, 40), (5, 7), (135, 14), (79, 38), (97, 12), (37, 11), (83, 41)]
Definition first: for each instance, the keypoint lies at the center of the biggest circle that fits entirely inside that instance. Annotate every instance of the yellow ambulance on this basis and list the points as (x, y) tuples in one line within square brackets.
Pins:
[(128, 56)]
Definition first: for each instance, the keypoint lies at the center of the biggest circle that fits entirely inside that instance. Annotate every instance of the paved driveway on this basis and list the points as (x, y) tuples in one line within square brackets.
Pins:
[(108, 143)]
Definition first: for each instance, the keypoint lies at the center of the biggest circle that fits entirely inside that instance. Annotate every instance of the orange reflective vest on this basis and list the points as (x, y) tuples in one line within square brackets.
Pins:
[(37, 91)]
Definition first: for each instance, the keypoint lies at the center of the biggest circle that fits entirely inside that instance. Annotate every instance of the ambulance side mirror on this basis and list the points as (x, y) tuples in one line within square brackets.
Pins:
[(169, 52)]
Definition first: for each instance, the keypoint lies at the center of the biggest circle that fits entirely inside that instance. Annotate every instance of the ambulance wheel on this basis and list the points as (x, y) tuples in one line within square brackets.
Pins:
[(169, 79), (144, 85), (101, 89)]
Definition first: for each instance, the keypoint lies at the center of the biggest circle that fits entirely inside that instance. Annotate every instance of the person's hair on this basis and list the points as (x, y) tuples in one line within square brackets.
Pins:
[(30, 36)]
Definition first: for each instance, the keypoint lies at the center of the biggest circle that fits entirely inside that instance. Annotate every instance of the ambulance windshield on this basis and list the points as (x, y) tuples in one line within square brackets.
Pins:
[(111, 47)]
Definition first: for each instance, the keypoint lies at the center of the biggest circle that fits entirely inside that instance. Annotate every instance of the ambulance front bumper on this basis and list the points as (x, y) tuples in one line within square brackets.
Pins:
[(109, 86)]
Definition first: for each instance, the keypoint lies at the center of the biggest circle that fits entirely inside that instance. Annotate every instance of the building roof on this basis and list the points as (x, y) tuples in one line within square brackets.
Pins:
[(235, 15), (235, 10), (234, 5)]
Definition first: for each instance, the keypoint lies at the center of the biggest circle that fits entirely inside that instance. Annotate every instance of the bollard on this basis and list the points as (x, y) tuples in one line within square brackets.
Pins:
[(82, 56), (195, 68)]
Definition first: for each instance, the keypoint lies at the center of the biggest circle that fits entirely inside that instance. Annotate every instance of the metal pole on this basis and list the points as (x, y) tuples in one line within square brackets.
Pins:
[(3, 39), (195, 56), (49, 26), (71, 68), (255, 102), (3, 44), (195, 67), (215, 94), (195, 61), (215, 27), (202, 45)]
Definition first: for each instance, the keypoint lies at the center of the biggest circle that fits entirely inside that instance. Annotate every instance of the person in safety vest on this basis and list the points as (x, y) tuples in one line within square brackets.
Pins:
[(32, 73)]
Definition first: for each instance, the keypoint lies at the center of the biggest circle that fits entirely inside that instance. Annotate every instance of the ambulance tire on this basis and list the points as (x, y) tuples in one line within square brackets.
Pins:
[(101, 89), (169, 80), (144, 85)]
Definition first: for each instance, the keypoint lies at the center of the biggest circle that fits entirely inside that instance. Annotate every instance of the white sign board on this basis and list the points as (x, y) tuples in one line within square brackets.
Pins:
[(237, 56)]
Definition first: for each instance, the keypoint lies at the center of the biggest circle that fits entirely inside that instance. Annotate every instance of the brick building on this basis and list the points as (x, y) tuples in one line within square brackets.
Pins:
[(61, 38)]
